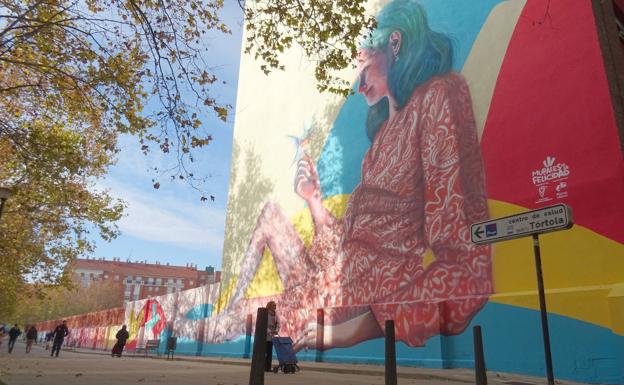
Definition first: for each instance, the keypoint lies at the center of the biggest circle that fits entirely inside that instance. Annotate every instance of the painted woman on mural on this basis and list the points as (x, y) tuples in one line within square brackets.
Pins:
[(422, 186)]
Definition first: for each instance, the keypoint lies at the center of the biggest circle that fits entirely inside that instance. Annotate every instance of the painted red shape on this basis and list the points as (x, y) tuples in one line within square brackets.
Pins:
[(552, 100)]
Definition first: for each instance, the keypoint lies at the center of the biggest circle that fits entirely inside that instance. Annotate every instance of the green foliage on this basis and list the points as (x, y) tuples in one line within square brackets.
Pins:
[(76, 74), (329, 33), (37, 304)]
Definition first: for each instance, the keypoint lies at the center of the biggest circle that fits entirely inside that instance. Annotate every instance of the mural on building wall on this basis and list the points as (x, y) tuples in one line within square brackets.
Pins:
[(422, 184), (376, 227)]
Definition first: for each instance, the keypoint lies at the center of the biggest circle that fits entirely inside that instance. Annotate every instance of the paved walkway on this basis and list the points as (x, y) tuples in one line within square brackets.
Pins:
[(92, 367)]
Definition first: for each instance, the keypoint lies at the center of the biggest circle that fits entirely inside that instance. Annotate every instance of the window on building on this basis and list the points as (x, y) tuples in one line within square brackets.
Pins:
[(138, 279), (169, 289), (150, 280), (159, 281), (149, 288), (116, 277), (128, 279)]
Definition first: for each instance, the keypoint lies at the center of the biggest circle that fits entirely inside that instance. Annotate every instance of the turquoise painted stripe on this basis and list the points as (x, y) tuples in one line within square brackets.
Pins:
[(512, 340)]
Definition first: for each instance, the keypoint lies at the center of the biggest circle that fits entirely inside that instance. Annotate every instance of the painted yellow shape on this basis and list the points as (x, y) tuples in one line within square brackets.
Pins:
[(224, 294), (580, 268), (483, 64), (616, 308), (266, 281)]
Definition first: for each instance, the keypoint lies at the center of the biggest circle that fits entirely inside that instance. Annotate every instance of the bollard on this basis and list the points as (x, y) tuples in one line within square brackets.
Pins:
[(256, 374), (391, 370), (248, 326), (320, 330), (480, 371)]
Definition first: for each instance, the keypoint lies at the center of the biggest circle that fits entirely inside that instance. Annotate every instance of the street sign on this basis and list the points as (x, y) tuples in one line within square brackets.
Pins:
[(544, 220)]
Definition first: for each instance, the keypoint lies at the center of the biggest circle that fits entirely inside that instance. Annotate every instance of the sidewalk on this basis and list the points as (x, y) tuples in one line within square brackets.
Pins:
[(459, 376)]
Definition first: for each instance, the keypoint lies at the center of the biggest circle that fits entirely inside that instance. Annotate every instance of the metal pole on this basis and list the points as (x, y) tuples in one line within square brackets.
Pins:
[(320, 334), (391, 370), (256, 375), (248, 327), (480, 373), (544, 314)]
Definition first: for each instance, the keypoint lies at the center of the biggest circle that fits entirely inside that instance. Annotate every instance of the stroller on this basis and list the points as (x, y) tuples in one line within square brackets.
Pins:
[(285, 355)]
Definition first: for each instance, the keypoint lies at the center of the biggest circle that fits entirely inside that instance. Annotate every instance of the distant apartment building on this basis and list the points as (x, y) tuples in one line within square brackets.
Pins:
[(138, 280)]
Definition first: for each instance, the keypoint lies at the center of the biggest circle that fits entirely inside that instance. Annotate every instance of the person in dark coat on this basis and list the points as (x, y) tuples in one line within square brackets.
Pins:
[(48, 339), (31, 338), (13, 334), (60, 332), (122, 336)]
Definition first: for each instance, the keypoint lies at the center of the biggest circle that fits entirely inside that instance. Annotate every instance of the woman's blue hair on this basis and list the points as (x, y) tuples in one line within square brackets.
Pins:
[(423, 54)]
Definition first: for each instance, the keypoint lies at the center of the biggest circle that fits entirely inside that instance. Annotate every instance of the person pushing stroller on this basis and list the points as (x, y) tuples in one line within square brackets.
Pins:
[(272, 330), (283, 345)]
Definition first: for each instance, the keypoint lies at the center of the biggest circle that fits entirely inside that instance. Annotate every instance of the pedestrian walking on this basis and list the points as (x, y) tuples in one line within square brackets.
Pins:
[(31, 338), (13, 334), (48, 339), (3, 333), (122, 336), (60, 332), (272, 331)]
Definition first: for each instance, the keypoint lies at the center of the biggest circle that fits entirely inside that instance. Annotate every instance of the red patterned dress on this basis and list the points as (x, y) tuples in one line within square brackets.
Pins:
[(422, 186)]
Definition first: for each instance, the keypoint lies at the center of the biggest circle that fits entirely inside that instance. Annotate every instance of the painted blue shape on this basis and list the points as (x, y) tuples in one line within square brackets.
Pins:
[(512, 340), (149, 325), (340, 163), (200, 311)]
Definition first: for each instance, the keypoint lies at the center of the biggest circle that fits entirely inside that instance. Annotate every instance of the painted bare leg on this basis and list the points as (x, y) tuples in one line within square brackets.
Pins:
[(275, 231)]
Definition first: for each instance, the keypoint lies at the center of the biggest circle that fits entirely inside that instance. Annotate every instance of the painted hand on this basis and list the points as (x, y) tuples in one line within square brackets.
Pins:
[(307, 184), (307, 338)]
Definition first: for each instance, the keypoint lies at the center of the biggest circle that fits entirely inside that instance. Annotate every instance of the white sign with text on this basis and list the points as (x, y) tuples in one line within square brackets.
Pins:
[(544, 220)]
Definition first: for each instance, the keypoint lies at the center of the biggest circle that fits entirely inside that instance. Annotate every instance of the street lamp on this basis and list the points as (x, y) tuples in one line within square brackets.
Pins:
[(5, 194)]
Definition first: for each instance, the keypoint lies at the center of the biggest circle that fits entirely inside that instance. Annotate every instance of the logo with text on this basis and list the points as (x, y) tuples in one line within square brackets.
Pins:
[(551, 172)]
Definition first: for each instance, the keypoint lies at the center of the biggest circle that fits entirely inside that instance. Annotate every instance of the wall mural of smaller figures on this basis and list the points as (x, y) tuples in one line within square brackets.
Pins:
[(148, 323), (422, 186)]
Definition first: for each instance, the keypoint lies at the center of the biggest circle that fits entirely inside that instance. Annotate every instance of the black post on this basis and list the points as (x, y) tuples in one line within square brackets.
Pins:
[(544, 314), (320, 334), (256, 375), (391, 370), (480, 371), (1, 206), (248, 326)]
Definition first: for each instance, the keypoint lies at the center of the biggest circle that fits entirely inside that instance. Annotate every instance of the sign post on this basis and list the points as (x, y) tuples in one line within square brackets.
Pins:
[(533, 223)]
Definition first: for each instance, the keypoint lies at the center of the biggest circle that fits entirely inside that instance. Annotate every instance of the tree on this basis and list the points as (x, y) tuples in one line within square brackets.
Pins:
[(99, 62), (74, 74), (40, 304)]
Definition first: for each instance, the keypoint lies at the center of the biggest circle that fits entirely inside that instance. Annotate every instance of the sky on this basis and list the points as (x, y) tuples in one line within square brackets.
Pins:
[(171, 224)]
